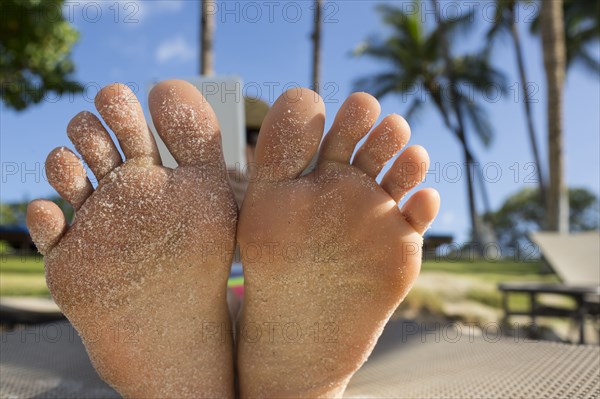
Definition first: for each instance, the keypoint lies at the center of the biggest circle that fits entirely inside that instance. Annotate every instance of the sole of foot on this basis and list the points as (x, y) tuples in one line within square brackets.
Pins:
[(328, 255), (142, 270)]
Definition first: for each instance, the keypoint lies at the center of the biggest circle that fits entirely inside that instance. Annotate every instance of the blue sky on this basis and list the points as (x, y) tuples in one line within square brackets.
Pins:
[(268, 45)]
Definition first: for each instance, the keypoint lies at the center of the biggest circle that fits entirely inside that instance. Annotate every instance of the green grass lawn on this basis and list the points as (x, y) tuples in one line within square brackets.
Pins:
[(22, 275), (444, 282), (465, 290), (495, 271), (490, 274)]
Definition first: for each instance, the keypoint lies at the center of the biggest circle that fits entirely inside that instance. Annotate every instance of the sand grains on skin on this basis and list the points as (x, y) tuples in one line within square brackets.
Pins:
[(143, 268)]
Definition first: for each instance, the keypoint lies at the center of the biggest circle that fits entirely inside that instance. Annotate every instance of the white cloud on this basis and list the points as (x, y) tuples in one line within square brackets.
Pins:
[(175, 49)]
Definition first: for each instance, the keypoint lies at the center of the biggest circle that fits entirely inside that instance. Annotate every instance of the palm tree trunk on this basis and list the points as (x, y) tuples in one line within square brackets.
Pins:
[(207, 28), (460, 133), (316, 39), (527, 104), (436, 95), (487, 207), (471, 194), (553, 43)]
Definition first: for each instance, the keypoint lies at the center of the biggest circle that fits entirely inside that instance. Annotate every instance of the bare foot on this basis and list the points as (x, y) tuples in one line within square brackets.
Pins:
[(142, 271), (327, 256)]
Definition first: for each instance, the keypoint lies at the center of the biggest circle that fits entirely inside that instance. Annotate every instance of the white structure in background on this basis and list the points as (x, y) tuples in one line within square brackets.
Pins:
[(224, 94)]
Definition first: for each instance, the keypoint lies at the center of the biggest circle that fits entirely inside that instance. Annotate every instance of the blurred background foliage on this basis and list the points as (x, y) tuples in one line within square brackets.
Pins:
[(35, 52), (14, 213), (523, 212)]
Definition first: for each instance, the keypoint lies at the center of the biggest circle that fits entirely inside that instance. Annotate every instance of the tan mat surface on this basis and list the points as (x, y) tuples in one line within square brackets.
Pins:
[(49, 361)]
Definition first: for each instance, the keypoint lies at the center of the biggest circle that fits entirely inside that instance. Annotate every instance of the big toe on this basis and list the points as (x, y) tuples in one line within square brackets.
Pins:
[(290, 135), (186, 123)]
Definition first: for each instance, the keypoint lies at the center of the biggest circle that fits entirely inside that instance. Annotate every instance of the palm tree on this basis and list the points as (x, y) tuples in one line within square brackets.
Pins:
[(207, 28), (555, 55), (505, 22), (581, 32), (316, 39), (422, 60)]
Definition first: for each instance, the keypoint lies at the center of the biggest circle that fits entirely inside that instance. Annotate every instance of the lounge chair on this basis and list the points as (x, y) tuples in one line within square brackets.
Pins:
[(576, 260)]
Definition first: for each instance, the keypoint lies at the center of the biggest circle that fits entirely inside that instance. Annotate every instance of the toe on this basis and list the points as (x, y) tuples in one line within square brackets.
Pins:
[(123, 113), (389, 137), (290, 135), (67, 175), (356, 117), (46, 224), (186, 123), (408, 170), (94, 144), (421, 208)]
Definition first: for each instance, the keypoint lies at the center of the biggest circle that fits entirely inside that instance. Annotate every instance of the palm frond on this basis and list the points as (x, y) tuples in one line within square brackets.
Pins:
[(476, 71), (385, 83), (478, 120), (413, 110), (415, 60), (461, 25)]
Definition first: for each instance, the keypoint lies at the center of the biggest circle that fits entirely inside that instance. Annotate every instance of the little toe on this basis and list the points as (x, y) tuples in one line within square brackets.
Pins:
[(356, 117), (46, 224), (94, 144), (421, 208), (67, 175), (123, 113), (389, 137), (408, 171), (290, 135), (186, 123)]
